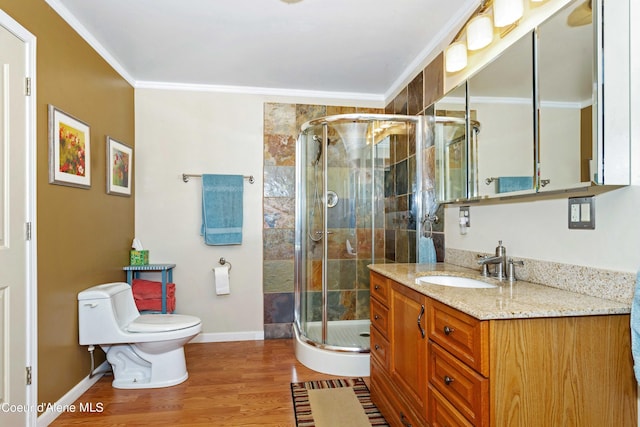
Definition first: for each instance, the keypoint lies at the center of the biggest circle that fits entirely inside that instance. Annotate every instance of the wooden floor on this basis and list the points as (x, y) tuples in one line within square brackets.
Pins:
[(243, 383)]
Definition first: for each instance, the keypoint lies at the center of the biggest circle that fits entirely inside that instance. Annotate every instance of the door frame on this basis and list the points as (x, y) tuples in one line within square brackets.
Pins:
[(29, 40)]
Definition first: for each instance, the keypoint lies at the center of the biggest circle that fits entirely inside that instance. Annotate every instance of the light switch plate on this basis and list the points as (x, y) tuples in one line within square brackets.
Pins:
[(582, 214), (464, 213)]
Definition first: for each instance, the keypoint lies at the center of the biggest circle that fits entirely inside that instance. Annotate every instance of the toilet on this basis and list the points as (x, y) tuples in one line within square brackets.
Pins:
[(144, 350)]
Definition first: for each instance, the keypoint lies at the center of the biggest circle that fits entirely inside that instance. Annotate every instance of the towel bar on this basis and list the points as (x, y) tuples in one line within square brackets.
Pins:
[(186, 176)]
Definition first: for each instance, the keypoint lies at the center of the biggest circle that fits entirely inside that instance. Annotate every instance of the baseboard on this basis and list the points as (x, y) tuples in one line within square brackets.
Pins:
[(71, 396), (228, 336)]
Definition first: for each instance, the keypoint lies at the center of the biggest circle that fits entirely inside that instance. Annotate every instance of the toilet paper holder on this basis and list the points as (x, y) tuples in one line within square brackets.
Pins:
[(223, 261)]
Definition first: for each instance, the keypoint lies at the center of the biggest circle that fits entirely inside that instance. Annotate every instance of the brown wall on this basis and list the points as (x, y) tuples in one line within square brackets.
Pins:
[(83, 236)]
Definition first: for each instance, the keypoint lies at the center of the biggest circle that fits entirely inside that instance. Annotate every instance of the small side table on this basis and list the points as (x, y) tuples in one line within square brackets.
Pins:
[(133, 272)]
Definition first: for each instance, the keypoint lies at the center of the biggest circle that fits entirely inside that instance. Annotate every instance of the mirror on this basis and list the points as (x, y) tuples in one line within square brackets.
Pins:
[(501, 104), (565, 81), (536, 119), (447, 118)]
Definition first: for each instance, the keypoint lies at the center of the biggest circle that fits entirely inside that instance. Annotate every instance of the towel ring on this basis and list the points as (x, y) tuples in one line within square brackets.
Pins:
[(223, 261), (431, 220)]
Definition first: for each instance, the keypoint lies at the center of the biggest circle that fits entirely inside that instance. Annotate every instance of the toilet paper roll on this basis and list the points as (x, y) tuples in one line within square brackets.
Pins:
[(221, 278)]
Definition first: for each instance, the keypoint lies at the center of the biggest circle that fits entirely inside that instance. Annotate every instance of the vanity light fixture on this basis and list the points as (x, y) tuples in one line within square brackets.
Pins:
[(455, 57), (479, 32), (506, 12)]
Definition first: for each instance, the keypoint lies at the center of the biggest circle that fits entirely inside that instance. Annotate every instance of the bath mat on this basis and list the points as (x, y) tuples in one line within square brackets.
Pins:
[(335, 403)]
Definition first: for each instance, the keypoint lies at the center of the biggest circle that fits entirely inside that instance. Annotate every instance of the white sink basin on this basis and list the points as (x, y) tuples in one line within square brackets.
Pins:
[(453, 281)]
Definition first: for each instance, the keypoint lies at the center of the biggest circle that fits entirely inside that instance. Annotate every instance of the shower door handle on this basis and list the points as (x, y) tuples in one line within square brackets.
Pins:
[(420, 321)]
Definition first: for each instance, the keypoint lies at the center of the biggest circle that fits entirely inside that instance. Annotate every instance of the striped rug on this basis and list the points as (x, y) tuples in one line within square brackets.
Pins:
[(335, 403)]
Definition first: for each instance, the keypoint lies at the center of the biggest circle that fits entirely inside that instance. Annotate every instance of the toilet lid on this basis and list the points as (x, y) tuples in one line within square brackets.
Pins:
[(162, 322)]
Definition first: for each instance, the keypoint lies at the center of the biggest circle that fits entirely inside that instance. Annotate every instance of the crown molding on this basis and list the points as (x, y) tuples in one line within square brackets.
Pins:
[(250, 90), (430, 51)]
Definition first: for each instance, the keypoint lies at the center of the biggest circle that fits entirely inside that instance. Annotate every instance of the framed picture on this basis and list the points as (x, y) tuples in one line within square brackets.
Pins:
[(119, 162), (69, 150)]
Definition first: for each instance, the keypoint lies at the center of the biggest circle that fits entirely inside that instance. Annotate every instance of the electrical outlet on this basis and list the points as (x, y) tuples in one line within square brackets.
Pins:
[(582, 213)]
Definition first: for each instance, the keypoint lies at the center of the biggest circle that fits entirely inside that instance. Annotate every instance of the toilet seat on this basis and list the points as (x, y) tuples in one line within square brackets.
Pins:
[(162, 323)]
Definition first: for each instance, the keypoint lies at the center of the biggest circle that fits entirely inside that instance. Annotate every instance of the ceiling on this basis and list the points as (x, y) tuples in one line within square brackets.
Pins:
[(364, 49)]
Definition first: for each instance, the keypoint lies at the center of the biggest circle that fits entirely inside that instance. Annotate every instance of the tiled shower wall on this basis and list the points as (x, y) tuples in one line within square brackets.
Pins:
[(401, 236), (281, 125)]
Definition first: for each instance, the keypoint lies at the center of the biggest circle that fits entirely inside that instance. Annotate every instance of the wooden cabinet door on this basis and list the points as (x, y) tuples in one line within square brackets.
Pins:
[(408, 364)]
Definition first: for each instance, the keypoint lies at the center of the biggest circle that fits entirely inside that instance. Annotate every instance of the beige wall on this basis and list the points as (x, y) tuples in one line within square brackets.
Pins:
[(82, 235)]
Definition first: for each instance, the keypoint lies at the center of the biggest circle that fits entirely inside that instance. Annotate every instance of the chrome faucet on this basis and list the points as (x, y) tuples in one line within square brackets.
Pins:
[(499, 261)]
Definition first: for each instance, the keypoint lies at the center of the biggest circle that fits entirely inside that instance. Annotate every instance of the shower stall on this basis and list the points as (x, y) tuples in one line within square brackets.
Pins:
[(359, 195)]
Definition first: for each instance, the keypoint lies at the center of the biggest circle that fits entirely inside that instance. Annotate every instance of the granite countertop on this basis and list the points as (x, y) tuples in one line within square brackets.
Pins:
[(506, 301)]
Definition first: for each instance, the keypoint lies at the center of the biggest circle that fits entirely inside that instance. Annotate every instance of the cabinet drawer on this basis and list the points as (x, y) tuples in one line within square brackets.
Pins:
[(442, 413), (380, 317), (464, 336), (380, 348), (379, 288), (464, 388)]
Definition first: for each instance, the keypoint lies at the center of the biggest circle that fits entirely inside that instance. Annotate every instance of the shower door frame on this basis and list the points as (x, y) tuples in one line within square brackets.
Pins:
[(300, 267)]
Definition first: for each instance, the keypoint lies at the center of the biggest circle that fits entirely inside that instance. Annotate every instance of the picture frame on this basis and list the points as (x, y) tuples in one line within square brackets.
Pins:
[(69, 150), (119, 166)]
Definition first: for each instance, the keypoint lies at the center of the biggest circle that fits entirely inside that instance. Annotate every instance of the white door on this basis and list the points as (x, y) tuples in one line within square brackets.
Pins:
[(13, 240)]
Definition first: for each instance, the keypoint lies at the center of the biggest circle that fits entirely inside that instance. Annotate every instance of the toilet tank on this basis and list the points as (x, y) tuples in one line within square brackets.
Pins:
[(104, 311)]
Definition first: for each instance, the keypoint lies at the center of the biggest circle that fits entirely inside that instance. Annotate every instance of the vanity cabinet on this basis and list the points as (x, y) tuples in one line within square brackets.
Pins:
[(565, 371), (398, 352), (551, 371)]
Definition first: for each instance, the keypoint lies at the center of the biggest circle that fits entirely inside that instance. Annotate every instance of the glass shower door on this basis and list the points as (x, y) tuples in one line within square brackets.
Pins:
[(348, 157), (348, 168), (309, 232)]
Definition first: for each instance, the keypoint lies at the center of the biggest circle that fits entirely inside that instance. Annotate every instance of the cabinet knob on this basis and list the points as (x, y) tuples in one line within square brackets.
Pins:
[(448, 330), (377, 347), (448, 380), (376, 317), (376, 287)]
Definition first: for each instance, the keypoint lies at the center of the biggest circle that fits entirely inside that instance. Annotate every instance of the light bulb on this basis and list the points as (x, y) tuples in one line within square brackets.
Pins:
[(456, 57), (506, 12), (479, 32)]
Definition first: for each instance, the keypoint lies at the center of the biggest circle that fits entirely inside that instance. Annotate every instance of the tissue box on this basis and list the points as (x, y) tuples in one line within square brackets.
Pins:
[(139, 257)]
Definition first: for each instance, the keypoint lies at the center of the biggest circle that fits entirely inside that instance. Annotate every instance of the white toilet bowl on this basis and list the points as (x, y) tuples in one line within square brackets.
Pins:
[(145, 351)]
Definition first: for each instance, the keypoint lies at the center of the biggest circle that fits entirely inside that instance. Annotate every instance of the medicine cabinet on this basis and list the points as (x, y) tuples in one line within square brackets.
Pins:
[(537, 119), (501, 101)]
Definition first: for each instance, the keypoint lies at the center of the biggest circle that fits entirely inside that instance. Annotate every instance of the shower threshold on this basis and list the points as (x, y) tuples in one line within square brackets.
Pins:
[(336, 362), (342, 333)]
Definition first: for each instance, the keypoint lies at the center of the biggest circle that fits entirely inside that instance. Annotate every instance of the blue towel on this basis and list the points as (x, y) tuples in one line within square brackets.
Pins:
[(635, 328), (222, 209), (426, 251), (506, 184)]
